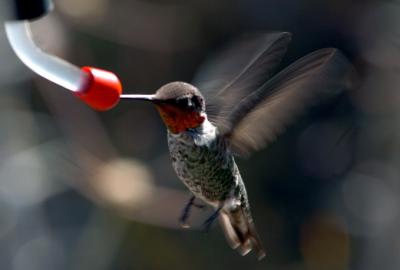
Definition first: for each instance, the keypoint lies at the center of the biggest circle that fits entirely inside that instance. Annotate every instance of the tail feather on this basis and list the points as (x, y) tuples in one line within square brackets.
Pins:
[(229, 231), (240, 232)]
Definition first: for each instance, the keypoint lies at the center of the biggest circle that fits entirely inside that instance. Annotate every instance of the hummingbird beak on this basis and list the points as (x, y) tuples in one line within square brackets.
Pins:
[(151, 98)]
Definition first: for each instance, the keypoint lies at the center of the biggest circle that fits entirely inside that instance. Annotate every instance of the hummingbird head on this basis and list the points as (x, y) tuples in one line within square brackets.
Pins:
[(181, 105)]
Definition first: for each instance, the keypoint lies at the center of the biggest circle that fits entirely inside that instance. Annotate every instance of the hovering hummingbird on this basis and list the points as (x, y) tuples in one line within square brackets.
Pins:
[(241, 108)]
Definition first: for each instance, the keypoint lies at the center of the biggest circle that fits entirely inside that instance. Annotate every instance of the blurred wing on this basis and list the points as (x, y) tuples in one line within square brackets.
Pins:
[(265, 113), (239, 70)]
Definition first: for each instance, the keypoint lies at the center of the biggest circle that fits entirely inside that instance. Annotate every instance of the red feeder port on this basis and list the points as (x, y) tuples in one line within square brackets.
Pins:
[(102, 91)]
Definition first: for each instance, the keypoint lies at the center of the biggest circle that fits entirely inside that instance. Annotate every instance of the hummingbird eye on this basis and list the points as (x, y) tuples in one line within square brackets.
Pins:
[(196, 101), (185, 103), (188, 103)]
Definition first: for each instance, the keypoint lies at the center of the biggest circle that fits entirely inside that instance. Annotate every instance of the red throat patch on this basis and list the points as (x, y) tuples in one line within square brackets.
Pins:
[(178, 120)]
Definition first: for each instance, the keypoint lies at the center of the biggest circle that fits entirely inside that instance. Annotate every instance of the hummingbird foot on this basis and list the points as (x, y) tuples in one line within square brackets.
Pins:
[(209, 221), (199, 206), (186, 212)]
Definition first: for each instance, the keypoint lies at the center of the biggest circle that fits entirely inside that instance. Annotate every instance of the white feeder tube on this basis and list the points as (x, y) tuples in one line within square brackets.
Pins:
[(46, 65)]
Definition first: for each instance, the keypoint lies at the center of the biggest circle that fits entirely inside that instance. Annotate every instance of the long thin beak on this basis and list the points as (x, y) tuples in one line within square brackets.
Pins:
[(139, 97)]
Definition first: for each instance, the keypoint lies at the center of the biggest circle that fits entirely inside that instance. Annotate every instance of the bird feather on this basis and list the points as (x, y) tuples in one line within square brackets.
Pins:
[(239, 70), (260, 117), (249, 107)]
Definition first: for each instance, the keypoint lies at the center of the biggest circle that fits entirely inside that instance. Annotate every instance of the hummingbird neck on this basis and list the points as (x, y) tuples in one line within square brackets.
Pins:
[(202, 135), (178, 121), (206, 127)]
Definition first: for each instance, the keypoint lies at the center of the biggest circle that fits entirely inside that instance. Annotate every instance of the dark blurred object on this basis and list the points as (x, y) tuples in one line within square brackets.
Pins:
[(28, 9)]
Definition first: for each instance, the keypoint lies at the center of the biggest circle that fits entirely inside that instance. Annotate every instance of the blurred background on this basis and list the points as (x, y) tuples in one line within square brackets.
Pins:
[(86, 190)]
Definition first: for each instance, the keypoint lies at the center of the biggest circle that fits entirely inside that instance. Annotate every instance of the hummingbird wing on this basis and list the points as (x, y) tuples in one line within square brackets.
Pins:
[(257, 119), (239, 70)]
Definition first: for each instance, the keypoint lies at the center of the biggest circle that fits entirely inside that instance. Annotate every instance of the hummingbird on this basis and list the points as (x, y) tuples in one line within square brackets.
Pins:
[(239, 104)]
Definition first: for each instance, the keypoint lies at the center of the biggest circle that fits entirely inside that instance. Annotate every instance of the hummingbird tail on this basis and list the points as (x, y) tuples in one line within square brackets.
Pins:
[(241, 233)]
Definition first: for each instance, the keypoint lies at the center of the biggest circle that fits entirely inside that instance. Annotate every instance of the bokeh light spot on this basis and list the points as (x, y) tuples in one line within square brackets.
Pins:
[(123, 182), (325, 244)]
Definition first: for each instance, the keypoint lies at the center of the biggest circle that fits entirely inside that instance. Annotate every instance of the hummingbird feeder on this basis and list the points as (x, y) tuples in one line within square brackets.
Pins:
[(100, 89)]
